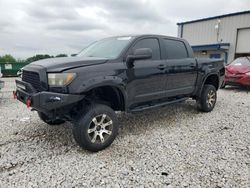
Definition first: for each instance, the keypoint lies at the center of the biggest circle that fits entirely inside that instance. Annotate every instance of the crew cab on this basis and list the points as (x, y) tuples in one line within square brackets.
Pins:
[(125, 73)]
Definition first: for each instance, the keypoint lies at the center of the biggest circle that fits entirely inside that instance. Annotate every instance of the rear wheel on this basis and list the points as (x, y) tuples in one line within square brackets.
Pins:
[(97, 128), (48, 120), (208, 98)]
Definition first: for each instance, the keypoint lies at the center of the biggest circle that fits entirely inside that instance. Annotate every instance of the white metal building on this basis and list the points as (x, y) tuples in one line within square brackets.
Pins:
[(225, 36)]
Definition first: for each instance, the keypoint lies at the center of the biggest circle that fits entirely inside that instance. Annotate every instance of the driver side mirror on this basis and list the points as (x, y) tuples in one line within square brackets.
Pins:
[(138, 54)]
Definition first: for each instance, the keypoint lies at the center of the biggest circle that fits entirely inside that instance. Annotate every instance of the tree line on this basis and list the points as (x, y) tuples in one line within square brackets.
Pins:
[(10, 59)]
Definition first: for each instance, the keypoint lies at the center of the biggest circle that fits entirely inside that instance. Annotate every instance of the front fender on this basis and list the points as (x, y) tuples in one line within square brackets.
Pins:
[(101, 81)]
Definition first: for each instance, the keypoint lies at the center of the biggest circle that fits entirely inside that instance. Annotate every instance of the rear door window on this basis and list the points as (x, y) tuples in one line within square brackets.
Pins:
[(175, 49)]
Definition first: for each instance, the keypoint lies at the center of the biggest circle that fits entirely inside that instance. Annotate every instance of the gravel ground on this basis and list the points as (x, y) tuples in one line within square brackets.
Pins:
[(176, 146)]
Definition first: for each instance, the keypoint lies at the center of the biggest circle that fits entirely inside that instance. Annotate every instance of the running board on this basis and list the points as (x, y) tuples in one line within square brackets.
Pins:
[(148, 107)]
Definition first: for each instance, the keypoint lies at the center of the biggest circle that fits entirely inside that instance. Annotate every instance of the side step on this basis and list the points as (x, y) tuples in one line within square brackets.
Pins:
[(148, 107)]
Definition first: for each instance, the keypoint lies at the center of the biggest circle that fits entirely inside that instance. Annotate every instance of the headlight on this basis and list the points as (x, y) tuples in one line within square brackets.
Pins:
[(248, 73), (60, 79)]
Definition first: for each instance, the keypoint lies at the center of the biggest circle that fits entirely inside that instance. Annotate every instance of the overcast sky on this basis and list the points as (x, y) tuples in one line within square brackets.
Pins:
[(29, 27)]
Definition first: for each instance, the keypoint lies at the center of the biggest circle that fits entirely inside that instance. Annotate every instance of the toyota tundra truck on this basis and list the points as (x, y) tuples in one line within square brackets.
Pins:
[(126, 73)]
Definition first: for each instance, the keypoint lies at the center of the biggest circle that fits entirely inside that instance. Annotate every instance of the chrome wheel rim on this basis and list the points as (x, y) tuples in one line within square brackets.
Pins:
[(211, 97), (100, 129)]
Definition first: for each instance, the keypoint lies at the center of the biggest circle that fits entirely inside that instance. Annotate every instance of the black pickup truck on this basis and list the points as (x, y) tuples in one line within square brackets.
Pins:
[(127, 73)]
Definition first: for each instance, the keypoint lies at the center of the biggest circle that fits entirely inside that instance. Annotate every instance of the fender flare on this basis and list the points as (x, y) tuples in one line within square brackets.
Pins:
[(102, 81), (204, 80)]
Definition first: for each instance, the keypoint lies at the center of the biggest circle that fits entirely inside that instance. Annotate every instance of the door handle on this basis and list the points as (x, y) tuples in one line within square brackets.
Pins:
[(161, 66)]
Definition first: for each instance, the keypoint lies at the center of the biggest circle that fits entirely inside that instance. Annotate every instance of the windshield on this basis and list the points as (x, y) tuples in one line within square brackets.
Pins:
[(106, 48), (242, 61)]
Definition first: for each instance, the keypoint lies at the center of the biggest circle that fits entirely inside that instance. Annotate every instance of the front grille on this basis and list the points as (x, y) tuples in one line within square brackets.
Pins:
[(32, 78)]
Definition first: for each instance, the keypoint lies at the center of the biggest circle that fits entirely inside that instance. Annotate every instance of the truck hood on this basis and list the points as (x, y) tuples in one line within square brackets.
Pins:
[(65, 63)]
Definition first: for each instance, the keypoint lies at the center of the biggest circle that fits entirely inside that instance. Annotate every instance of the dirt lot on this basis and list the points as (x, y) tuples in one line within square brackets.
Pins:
[(176, 146)]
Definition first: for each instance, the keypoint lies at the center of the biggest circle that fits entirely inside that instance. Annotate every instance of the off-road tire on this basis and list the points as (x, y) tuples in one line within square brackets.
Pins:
[(205, 102), (82, 128)]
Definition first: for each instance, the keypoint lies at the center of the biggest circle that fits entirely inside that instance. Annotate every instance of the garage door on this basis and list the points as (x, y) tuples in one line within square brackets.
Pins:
[(243, 41)]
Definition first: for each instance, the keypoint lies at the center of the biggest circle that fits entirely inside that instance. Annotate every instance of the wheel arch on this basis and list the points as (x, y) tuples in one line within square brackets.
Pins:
[(109, 94), (212, 79)]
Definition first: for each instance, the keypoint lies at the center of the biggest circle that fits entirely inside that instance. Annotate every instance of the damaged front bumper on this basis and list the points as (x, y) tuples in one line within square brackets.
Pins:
[(43, 101)]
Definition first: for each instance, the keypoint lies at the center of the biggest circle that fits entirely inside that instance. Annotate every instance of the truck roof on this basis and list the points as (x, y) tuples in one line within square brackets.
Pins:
[(148, 35)]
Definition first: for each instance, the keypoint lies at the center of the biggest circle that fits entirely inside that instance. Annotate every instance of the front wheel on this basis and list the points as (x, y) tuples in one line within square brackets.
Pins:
[(97, 128), (208, 98)]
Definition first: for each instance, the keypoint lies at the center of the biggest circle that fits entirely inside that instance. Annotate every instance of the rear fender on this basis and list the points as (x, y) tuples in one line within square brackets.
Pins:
[(204, 80)]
